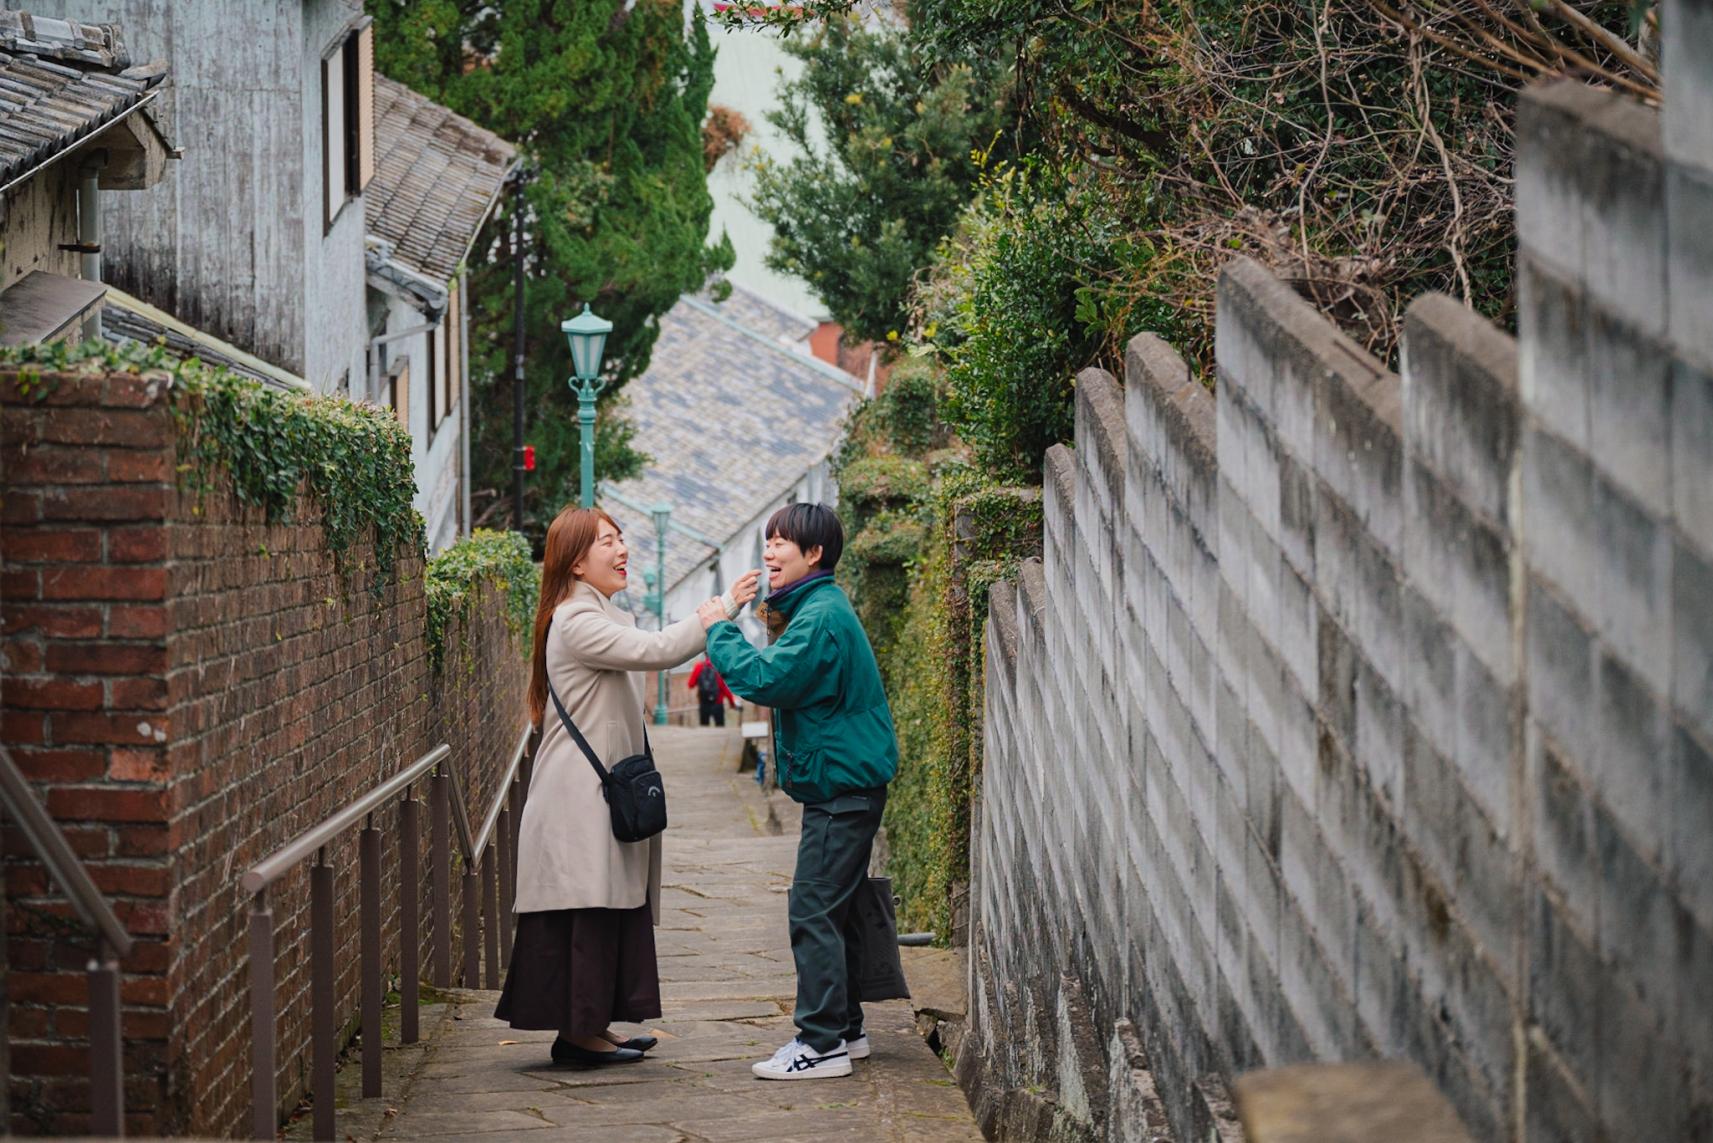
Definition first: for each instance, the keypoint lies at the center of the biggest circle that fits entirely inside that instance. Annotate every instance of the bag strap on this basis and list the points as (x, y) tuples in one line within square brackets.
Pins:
[(577, 735)]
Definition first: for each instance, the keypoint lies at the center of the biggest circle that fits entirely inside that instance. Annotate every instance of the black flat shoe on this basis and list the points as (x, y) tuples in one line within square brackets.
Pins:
[(639, 1043), (567, 1053)]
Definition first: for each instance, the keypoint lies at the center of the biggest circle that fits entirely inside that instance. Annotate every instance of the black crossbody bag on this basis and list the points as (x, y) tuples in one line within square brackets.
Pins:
[(635, 793)]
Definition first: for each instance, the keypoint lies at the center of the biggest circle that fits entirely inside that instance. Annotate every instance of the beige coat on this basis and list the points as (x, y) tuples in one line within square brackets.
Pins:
[(567, 855)]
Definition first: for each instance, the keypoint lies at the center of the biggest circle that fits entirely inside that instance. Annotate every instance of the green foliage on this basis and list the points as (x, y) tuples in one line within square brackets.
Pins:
[(877, 482), (450, 580), (906, 136), (269, 448), (607, 100), (907, 411), (1011, 311)]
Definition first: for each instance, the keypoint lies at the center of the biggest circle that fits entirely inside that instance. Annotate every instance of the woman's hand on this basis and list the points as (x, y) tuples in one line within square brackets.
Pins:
[(746, 586), (711, 612)]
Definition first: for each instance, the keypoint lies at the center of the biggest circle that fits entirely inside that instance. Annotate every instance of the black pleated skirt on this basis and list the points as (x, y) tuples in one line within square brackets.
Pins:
[(575, 971)]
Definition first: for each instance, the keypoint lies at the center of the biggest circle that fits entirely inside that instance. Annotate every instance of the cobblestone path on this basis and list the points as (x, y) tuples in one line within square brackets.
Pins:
[(726, 973)]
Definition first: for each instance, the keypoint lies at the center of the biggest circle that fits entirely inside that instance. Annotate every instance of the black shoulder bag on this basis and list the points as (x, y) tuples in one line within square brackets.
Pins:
[(636, 796)]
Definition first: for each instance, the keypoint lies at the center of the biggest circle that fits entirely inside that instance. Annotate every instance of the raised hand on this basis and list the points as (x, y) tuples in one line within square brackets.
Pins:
[(746, 586)]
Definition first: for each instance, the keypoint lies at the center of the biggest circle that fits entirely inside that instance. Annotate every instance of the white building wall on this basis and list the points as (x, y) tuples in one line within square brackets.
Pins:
[(335, 337), (437, 454)]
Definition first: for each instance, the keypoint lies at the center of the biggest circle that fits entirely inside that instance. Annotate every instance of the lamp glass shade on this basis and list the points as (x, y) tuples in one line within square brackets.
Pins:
[(588, 337), (662, 513)]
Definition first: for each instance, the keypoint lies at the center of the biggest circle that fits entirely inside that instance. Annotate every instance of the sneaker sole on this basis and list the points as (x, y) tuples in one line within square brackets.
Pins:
[(859, 1053), (825, 1071)]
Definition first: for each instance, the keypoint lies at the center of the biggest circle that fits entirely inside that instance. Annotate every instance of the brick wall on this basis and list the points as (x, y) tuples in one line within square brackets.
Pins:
[(1351, 714), (190, 687)]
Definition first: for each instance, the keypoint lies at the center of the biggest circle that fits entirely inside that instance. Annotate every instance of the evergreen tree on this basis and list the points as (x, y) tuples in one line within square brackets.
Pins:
[(606, 100), (906, 141)]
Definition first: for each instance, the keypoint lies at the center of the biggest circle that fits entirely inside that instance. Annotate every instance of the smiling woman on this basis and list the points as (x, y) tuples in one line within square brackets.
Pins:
[(584, 956)]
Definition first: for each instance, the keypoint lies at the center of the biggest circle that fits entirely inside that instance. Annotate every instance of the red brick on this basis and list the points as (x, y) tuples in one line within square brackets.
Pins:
[(105, 502), (138, 694), (139, 466), (85, 841), (59, 765), (49, 1059), (135, 390), (104, 583), (136, 545), (20, 583), (42, 545), (132, 880), (17, 726), (143, 989), (144, 841), (20, 507), (127, 427), (54, 620), (132, 765), (22, 656), (137, 622), (53, 694), (106, 804), (116, 729), (46, 988), (48, 464), (106, 658)]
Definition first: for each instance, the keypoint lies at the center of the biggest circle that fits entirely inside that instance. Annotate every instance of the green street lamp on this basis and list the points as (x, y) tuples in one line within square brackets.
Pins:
[(588, 337), (656, 599)]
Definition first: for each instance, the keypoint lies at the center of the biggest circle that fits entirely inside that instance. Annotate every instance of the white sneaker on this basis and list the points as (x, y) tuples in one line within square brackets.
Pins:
[(858, 1048), (798, 1061)]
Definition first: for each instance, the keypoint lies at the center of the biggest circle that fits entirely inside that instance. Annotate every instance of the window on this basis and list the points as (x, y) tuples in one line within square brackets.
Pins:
[(430, 360), (347, 120), (454, 349), (398, 396)]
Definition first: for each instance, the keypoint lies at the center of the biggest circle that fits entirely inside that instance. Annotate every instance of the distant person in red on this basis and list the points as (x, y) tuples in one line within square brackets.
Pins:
[(711, 693)]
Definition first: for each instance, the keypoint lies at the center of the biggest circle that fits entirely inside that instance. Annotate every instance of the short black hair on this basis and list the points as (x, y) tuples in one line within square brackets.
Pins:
[(810, 526)]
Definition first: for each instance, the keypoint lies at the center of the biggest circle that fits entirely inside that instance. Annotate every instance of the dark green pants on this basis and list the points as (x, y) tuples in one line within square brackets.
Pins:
[(832, 861)]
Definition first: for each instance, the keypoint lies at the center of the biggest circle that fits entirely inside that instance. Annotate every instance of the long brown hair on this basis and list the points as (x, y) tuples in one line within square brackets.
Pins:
[(569, 538)]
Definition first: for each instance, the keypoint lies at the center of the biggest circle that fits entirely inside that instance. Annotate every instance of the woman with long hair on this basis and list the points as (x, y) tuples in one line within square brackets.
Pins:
[(583, 955)]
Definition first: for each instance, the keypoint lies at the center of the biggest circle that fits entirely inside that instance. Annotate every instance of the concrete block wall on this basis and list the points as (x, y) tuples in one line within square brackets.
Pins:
[(188, 687), (1355, 715)]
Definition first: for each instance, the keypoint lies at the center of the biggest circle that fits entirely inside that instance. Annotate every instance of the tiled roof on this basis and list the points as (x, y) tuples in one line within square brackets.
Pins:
[(124, 319), (754, 312), (731, 418), (60, 82), (436, 176)]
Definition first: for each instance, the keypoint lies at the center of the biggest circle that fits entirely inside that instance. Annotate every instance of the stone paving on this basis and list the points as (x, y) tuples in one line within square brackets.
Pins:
[(727, 981)]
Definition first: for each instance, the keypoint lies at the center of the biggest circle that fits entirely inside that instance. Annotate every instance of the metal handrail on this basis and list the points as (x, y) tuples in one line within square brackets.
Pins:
[(500, 799), (106, 1043), (55, 853), (490, 873), (293, 852)]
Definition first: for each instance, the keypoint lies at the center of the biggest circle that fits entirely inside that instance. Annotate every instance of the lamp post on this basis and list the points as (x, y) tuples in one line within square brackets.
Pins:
[(662, 513), (588, 337)]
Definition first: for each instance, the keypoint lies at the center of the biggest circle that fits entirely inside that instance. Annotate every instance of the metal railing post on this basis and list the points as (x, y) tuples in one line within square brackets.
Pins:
[(369, 911), (491, 913), (322, 986), (264, 1096), (410, 921), (106, 1062), (472, 976), (440, 861), (508, 886)]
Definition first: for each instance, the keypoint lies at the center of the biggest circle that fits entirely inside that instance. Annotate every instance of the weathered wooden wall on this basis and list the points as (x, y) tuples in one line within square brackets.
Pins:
[(37, 217)]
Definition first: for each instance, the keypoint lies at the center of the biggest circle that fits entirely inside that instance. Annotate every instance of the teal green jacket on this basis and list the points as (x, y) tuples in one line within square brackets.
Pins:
[(832, 728)]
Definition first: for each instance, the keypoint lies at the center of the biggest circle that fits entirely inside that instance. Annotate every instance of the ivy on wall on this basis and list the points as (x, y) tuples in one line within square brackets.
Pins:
[(351, 461), (452, 577)]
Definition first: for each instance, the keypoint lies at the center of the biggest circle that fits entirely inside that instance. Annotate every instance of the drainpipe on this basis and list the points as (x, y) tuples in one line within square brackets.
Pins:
[(464, 397), (89, 231)]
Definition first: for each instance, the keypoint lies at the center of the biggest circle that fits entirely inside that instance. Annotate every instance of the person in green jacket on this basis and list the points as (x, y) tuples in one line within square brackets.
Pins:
[(835, 751)]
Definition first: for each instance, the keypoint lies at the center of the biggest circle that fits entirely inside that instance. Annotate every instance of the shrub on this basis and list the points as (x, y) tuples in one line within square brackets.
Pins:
[(485, 556)]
